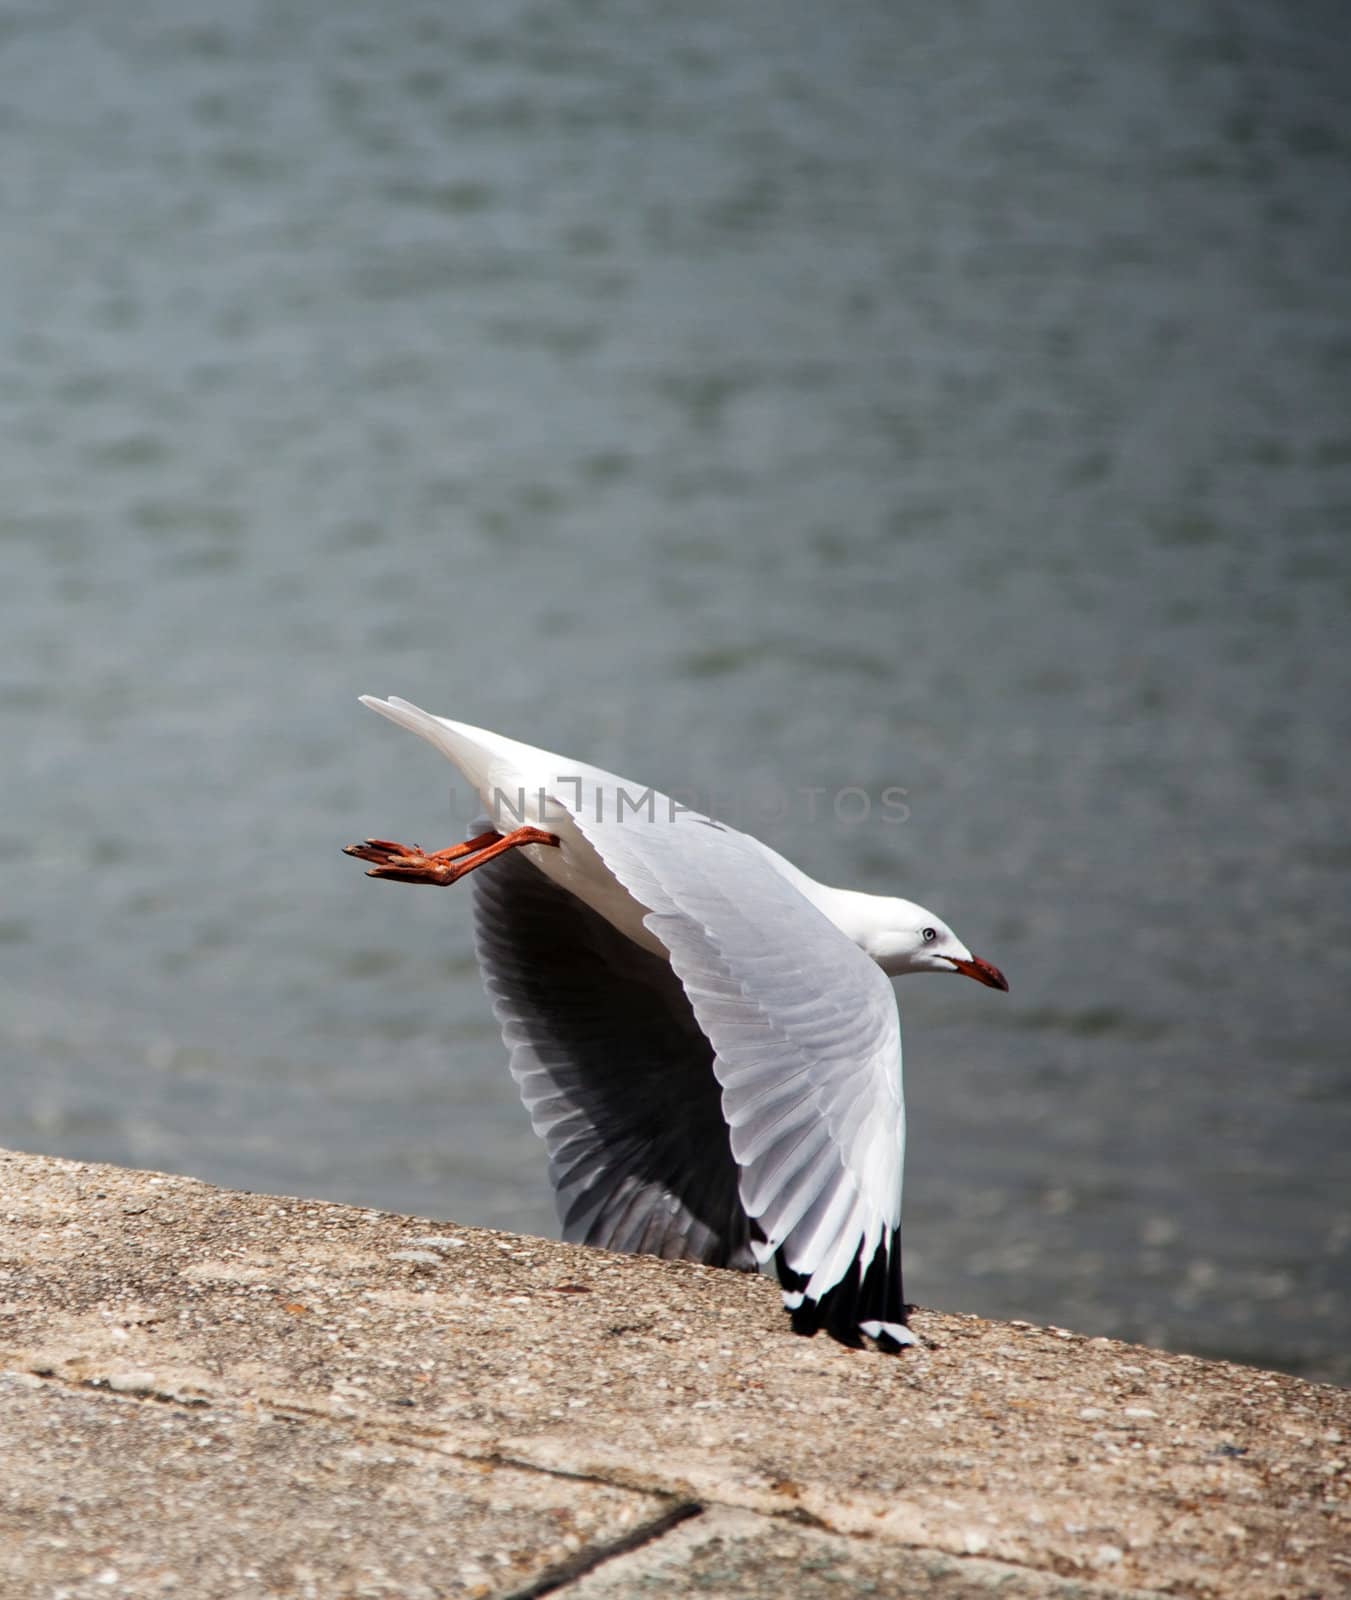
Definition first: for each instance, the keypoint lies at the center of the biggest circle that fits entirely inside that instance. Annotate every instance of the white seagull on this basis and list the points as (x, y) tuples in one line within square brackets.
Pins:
[(704, 1036)]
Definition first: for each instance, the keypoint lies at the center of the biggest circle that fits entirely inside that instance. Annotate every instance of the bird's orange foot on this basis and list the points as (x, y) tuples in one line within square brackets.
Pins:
[(409, 863), (403, 863)]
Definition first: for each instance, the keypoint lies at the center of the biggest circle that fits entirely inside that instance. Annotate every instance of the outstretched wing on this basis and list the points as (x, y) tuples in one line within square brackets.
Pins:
[(807, 1049), (614, 1070)]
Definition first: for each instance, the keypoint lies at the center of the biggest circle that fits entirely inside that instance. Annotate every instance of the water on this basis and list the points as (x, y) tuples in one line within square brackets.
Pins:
[(954, 398)]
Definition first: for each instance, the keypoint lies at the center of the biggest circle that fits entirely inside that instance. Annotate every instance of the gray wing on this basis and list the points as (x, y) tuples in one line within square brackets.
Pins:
[(807, 1049), (614, 1070)]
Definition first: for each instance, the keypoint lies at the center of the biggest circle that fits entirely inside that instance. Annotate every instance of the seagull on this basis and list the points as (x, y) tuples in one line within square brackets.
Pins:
[(705, 1038)]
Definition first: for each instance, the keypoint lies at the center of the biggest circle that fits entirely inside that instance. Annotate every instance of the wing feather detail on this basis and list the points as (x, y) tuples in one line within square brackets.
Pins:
[(807, 1050), (614, 1071)]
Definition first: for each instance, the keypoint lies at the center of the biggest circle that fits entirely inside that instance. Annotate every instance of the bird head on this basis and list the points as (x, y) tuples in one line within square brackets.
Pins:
[(907, 938)]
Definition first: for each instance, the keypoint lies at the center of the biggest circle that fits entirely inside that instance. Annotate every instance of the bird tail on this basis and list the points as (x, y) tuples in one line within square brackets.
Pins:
[(457, 741)]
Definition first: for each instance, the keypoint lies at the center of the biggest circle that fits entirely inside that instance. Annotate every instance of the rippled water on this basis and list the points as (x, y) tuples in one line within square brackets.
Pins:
[(954, 398)]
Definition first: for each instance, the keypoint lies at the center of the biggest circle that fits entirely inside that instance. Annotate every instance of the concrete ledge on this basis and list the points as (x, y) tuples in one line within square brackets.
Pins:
[(207, 1393)]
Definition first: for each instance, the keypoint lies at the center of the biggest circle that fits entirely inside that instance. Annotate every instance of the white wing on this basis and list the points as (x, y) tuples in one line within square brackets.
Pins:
[(807, 1049)]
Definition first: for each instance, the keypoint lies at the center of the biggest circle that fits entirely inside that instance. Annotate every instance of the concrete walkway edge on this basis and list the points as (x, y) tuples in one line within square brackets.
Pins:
[(210, 1393)]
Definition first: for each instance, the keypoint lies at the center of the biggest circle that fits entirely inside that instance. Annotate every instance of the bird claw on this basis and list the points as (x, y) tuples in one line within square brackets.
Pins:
[(382, 850), (409, 863), (403, 863)]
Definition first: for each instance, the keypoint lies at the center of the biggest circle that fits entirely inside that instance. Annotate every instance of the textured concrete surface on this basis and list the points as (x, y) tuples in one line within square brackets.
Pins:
[(104, 1492), (738, 1555), (216, 1393)]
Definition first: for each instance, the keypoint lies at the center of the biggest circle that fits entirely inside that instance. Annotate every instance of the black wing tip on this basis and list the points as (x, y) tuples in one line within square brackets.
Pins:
[(866, 1305), (890, 1338)]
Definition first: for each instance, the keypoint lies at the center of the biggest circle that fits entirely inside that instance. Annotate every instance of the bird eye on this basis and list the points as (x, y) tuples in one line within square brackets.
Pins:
[(929, 935)]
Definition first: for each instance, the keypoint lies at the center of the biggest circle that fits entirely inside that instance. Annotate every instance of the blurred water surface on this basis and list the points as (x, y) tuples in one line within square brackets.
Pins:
[(948, 397)]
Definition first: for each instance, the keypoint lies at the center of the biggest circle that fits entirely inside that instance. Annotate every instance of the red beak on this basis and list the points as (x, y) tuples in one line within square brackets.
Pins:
[(982, 971)]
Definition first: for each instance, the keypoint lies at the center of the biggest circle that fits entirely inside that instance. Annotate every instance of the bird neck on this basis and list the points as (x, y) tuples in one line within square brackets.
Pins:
[(853, 913)]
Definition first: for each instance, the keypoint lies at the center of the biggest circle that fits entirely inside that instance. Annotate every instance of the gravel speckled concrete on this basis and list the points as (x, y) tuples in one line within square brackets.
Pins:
[(737, 1555), (619, 1389), (103, 1492)]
